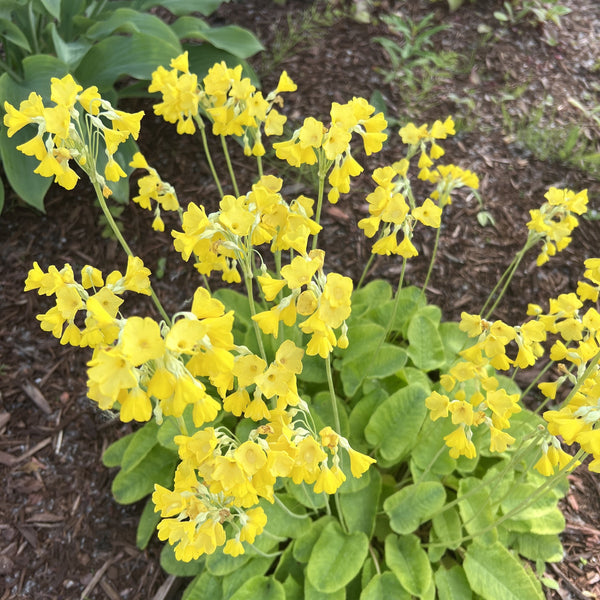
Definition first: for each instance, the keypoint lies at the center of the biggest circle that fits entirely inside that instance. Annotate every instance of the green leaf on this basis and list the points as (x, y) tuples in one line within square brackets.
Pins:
[(425, 347), (336, 558), (453, 340), (304, 494), (70, 53), (117, 56), (493, 572), (203, 587), (180, 7), (360, 415), (113, 455), (144, 439), (448, 528), (146, 525), (395, 424), (373, 294), (281, 522), (127, 20), (220, 564), (409, 563), (385, 361), (475, 509), (359, 508), (384, 586), (312, 593), (11, 33), (413, 505), (172, 566), (323, 412), (170, 428), (539, 547), (293, 589), (253, 568), (452, 584), (304, 544), (158, 467), (430, 450), (202, 57), (53, 7), (235, 40), (265, 588), (454, 4)]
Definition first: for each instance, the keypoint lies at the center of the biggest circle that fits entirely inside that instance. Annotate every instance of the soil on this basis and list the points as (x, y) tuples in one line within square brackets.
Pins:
[(61, 533)]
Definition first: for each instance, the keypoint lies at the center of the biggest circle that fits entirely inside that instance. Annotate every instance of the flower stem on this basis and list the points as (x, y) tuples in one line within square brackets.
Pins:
[(236, 191), (334, 408), (257, 331), (433, 255), (125, 246), (207, 153)]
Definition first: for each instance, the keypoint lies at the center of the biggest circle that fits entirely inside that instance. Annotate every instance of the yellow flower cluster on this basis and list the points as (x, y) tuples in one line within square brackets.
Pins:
[(392, 207), (577, 421), (152, 188), (220, 480), (477, 398), (330, 145), (554, 221), (222, 239), (231, 102), (63, 134), (325, 301), (97, 298)]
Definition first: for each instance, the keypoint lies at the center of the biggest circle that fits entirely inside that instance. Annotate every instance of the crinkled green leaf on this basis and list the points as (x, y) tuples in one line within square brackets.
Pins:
[(113, 455), (452, 584), (304, 544), (204, 587), (144, 439), (172, 566), (493, 573), (425, 347), (256, 567), (395, 424), (475, 509), (408, 561), (336, 558), (359, 508), (265, 588), (413, 505), (384, 586)]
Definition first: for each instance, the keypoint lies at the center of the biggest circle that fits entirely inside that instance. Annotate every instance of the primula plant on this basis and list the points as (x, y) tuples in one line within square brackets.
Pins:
[(313, 438)]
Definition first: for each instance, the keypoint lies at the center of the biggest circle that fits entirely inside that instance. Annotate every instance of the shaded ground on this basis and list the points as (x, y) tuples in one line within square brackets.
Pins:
[(61, 534)]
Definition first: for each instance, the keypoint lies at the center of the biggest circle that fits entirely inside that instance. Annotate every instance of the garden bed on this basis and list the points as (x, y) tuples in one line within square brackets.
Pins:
[(62, 533)]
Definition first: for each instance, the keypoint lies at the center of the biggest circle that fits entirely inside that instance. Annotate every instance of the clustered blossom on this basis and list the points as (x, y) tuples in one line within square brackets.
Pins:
[(473, 397), (329, 146), (392, 207), (230, 101), (224, 239), (152, 188), (554, 221), (66, 133), (325, 301)]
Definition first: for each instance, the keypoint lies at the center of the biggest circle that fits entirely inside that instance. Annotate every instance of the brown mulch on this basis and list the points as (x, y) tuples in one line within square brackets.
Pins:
[(61, 533)]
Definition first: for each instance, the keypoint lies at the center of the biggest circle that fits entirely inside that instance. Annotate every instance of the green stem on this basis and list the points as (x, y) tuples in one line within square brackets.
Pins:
[(365, 271), (505, 279), (433, 256), (288, 511), (375, 561), (207, 153), (236, 191), (264, 554), (13, 74), (260, 166), (334, 408), (125, 246), (182, 426), (430, 465), (322, 175), (257, 331), (581, 380)]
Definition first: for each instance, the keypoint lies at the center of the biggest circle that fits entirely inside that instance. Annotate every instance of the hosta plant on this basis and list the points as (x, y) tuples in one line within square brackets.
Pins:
[(314, 437)]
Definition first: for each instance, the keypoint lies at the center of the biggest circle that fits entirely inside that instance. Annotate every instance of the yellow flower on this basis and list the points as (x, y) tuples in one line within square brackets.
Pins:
[(141, 340)]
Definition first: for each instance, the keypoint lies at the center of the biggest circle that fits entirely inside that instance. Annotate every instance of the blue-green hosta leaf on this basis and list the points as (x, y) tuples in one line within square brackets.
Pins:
[(11, 33), (182, 7), (493, 572), (235, 40), (127, 20), (408, 561), (53, 7), (336, 558), (137, 55), (396, 422), (70, 53), (413, 505)]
